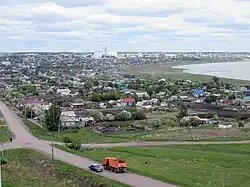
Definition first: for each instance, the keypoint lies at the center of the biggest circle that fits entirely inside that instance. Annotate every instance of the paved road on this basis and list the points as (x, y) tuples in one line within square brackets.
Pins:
[(23, 139)]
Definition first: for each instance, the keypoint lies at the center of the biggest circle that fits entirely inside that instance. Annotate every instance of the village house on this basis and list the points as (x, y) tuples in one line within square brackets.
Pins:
[(128, 102), (68, 119), (198, 93), (63, 92), (142, 94)]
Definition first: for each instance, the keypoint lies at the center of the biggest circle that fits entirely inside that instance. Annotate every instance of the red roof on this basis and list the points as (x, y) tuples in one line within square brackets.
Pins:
[(128, 100)]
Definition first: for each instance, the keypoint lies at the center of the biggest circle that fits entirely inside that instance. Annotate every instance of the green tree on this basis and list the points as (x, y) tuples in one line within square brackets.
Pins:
[(123, 116), (88, 85), (97, 115), (240, 124), (216, 80), (182, 112), (52, 118), (80, 91), (138, 115), (96, 97), (29, 113), (232, 96), (149, 91), (210, 99)]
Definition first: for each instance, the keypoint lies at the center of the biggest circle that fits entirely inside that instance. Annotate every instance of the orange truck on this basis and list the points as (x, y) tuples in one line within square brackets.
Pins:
[(114, 164)]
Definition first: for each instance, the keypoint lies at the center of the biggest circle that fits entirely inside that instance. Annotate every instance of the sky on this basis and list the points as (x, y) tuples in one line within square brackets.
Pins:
[(124, 25)]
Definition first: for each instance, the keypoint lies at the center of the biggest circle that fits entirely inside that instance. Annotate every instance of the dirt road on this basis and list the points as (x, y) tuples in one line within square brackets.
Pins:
[(23, 139)]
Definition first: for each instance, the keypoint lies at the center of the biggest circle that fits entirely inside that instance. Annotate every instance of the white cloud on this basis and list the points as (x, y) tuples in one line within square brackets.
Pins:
[(181, 23)]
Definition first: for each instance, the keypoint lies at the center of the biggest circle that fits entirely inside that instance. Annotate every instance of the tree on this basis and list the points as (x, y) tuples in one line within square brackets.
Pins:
[(216, 80), (238, 102), (52, 118), (240, 124), (228, 86), (80, 91), (97, 115), (88, 85), (232, 96), (28, 112), (96, 97), (210, 99), (150, 91), (123, 116), (193, 122), (138, 115), (182, 112)]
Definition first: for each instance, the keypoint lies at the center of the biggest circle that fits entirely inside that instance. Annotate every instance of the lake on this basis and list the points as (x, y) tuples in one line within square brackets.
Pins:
[(232, 70)]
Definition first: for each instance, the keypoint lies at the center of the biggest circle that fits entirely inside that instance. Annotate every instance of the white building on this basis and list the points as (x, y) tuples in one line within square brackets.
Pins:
[(98, 54), (68, 119), (63, 91)]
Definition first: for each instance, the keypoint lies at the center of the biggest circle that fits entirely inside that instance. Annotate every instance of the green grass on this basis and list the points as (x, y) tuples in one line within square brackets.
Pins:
[(166, 71), (28, 168), (187, 166), (85, 136), (4, 132)]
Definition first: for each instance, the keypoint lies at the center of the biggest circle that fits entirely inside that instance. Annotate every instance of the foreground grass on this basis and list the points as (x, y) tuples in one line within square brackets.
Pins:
[(187, 166), (4, 134), (28, 168)]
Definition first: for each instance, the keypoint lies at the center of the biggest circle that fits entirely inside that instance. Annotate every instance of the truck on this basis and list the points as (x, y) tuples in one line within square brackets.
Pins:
[(114, 165)]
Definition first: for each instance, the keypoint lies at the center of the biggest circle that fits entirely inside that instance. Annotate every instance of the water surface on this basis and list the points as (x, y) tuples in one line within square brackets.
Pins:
[(232, 70)]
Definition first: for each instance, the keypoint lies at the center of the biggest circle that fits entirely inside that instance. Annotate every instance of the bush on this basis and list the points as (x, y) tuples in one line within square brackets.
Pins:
[(66, 140), (75, 144), (3, 161), (97, 115), (123, 116), (240, 124), (138, 115)]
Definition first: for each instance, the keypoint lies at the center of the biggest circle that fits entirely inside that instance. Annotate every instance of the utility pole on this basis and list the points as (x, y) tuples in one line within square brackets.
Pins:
[(25, 111), (1, 165), (52, 149)]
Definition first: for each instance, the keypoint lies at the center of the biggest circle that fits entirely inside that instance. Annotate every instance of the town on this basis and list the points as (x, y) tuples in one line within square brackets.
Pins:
[(75, 99)]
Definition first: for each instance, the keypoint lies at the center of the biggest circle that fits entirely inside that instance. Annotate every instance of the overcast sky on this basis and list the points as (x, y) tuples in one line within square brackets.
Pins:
[(124, 25)]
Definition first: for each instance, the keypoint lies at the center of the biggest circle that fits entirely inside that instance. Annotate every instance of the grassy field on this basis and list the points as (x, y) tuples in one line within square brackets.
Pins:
[(28, 168), (84, 135), (167, 134), (187, 166), (4, 132), (166, 71)]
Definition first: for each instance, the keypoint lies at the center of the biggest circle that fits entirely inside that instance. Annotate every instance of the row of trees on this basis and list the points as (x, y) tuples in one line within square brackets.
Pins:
[(122, 116), (106, 96)]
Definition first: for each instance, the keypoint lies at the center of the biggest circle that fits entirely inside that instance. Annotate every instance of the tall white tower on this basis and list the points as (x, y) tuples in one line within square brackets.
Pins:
[(105, 51)]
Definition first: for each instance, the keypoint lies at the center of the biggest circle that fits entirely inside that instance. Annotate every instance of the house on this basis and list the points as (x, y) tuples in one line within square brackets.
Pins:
[(198, 93), (184, 98), (32, 102), (77, 105), (63, 92), (127, 102), (225, 102), (68, 119), (174, 98), (164, 104), (199, 100), (142, 94), (247, 98)]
